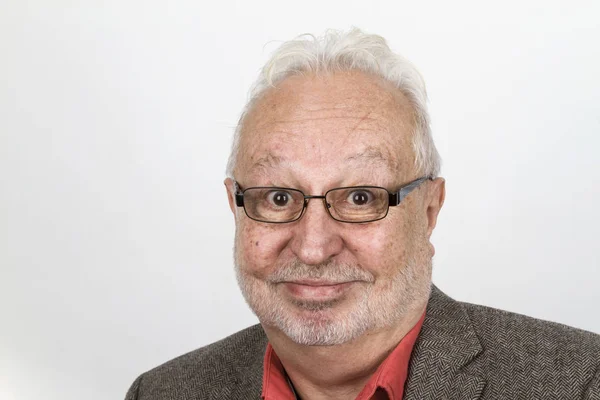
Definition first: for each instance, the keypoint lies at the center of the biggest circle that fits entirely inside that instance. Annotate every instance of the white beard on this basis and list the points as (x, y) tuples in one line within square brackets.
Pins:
[(342, 320)]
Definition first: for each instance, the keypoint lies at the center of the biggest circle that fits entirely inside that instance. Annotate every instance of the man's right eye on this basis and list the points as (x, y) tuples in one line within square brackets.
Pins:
[(279, 198)]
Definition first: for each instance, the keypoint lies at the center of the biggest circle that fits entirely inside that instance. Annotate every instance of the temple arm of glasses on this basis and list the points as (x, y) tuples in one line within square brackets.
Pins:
[(239, 196), (396, 198)]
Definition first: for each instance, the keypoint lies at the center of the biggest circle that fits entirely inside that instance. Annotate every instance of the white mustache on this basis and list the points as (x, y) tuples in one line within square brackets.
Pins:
[(329, 271)]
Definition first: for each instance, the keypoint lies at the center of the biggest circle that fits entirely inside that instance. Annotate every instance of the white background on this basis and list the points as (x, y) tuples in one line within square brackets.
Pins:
[(115, 124)]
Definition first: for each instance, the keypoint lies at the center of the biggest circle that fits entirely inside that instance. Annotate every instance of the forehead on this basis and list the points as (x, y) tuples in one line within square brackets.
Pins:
[(329, 123)]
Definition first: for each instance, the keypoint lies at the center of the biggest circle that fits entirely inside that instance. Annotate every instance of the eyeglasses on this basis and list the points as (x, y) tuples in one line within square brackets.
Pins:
[(355, 204)]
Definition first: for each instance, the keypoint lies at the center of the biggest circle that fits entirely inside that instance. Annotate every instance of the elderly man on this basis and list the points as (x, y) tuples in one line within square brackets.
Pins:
[(333, 182)]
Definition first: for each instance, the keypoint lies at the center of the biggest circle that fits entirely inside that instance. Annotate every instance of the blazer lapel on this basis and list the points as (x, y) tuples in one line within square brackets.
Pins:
[(446, 345)]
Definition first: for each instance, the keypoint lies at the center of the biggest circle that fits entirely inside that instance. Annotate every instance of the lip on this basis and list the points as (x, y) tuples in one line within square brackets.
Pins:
[(317, 290), (309, 282)]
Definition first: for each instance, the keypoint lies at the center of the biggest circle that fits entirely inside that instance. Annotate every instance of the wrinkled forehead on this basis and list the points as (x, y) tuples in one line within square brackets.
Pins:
[(349, 120)]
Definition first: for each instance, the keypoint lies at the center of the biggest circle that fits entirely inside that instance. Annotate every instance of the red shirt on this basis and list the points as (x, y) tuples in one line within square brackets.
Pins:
[(387, 383)]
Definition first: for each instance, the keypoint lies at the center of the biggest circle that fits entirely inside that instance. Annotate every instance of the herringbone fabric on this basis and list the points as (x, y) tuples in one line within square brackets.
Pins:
[(464, 352)]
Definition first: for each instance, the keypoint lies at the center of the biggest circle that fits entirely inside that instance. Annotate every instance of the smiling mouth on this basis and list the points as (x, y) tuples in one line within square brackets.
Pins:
[(317, 290)]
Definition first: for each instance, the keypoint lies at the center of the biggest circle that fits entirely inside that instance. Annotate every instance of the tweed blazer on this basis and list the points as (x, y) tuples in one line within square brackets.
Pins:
[(464, 352)]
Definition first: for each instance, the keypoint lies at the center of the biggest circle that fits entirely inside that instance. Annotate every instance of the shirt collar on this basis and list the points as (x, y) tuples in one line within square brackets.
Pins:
[(389, 378)]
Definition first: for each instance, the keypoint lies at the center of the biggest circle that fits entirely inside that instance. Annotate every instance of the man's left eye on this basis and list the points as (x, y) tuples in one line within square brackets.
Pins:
[(360, 197)]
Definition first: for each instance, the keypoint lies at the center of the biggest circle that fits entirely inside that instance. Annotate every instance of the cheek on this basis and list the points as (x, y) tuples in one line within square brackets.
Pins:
[(259, 246), (380, 249)]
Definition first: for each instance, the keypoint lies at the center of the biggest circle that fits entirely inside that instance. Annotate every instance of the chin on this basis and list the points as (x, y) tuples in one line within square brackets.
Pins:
[(320, 332), (319, 324)]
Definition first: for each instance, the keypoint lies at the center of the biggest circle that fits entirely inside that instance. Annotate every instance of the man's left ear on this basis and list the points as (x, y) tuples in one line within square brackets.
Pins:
[(434, 202)]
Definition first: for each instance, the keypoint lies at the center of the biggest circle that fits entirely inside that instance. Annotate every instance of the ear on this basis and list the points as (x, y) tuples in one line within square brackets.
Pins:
[(434, 202), (230, 193)]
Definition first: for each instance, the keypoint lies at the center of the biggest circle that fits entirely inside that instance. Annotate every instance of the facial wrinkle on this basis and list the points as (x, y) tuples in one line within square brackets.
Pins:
[(360, 121), (311, 119)]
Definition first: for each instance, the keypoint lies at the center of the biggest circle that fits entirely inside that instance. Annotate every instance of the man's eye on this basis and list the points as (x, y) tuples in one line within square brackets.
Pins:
[(359, 197), (279, 198)]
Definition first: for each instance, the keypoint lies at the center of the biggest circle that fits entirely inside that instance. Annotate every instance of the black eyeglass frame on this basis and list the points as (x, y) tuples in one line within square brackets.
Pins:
[(395, 198)]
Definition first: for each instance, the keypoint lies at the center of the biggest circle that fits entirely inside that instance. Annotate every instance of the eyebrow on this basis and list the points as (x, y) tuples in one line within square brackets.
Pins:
[(371, 156), (269, 161)]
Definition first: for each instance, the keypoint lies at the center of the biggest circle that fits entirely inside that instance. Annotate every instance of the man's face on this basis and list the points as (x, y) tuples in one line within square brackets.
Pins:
[(320, 281)]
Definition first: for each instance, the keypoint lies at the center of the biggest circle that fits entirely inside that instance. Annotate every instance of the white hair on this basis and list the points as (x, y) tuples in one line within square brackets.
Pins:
[(346, 51)]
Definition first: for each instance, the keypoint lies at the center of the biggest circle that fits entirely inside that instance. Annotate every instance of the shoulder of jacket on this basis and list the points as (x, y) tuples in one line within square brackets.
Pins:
[(235, 348), (507, 331), (211, 367), (514, 323)]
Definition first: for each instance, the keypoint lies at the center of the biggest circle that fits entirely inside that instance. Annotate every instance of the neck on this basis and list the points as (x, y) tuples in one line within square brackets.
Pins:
[(340, 371)]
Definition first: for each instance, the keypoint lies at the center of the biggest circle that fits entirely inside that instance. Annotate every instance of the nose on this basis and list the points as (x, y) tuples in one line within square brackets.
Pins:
[(316, 235)]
